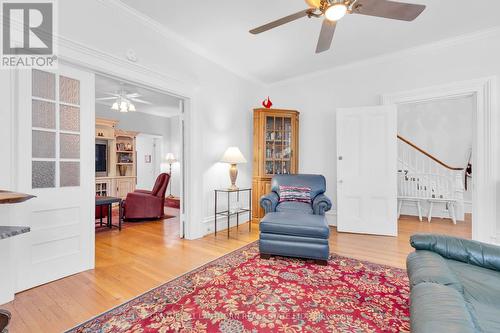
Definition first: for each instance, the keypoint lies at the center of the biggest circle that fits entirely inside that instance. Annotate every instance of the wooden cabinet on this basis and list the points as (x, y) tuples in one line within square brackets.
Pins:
[(124, 185), (121, 175), (275, 150)]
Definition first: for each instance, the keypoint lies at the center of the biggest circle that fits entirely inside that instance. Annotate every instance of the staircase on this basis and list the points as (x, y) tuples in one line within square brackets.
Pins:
[(426, 184)]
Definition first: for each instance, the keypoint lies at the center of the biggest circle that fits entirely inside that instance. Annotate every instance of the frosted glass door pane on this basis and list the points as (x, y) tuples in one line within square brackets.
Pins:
[(69, 118), (70, 174), (43, 144), (43, 114), (70, 145), (43, 174), (43, 84), (69, 90)]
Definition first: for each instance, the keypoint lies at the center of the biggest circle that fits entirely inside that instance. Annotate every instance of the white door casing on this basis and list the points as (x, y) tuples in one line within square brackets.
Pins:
[(366, 170), (484, 142), (55, 162), (148, 145)]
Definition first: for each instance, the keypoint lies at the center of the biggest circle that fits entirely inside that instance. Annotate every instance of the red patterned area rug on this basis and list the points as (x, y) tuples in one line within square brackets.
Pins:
[(240, 292)]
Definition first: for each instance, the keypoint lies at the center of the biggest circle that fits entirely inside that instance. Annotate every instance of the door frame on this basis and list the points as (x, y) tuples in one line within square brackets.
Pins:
[(157, 137), (485, 146), (109, 65)]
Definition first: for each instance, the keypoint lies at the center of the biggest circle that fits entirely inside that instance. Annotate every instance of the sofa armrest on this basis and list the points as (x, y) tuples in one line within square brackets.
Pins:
[(321, 204), (269, 202), (468, 251)]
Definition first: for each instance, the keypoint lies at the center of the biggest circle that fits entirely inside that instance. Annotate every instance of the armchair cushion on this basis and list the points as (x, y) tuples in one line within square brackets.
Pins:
[(295, 207), (316, 183), (295, 194), (303, 225), (321, 204)]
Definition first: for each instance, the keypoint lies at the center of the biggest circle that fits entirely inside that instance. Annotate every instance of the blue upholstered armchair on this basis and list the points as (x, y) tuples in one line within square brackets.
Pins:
[(320, 203)]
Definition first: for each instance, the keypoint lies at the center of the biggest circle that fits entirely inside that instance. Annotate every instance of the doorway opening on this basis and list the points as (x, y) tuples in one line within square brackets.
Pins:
[(484, 146), (139, 143), (435, 162)]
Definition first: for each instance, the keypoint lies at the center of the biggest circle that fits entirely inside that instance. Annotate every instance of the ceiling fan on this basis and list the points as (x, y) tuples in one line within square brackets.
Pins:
[(334, 10), (123, 100)]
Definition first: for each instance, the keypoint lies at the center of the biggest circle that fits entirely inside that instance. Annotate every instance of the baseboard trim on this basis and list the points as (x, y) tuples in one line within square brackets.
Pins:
[(331, 216), (209, 223)]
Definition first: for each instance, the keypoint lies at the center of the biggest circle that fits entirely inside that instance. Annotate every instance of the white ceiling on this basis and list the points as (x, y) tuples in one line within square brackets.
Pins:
[(220, 29), (162, 105)]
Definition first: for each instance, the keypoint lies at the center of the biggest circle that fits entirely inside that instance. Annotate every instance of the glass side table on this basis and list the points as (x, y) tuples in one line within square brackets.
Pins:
[(233, 212)]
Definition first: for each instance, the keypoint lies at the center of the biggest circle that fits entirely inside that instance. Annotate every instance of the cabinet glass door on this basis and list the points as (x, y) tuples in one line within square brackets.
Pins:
[(278, 150)]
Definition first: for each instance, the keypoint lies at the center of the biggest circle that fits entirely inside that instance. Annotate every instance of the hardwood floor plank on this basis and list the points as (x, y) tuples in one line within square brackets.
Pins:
[(145, 255)]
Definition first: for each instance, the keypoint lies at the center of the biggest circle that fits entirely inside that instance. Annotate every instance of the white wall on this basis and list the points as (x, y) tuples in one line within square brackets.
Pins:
[(220, 104), (318, 95), (442, 127)]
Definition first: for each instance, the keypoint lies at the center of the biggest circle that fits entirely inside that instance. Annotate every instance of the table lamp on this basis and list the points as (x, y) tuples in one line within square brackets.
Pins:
[(233, 156), (170, 159)]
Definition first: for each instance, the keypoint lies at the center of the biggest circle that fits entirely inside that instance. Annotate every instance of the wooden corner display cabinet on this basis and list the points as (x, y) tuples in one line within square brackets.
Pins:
[(120, 176), (275, 150)]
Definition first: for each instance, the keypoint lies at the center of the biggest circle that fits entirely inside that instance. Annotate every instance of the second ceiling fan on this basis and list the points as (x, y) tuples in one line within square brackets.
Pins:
[(334, 10)]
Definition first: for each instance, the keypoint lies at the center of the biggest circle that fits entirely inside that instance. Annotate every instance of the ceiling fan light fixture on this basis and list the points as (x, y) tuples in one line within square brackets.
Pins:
[(313, 3), (336, 12), (131, 107), (115, 106)]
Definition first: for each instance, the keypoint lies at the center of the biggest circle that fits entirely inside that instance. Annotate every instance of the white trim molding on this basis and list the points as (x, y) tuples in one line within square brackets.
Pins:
[(485, 146), (171, 35), (397, 55), (331, 217)]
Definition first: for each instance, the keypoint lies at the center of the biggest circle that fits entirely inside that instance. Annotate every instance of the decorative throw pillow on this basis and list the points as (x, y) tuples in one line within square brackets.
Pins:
[(295, 193)]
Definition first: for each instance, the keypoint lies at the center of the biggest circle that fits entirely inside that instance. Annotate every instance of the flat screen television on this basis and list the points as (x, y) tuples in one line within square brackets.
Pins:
[(101, 159)]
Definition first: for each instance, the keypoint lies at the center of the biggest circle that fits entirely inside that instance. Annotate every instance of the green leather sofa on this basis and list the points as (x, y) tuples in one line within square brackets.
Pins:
[(455, 285)]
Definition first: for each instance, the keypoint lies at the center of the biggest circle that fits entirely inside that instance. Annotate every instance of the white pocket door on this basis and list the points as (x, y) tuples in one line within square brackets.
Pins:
[(56, 126)]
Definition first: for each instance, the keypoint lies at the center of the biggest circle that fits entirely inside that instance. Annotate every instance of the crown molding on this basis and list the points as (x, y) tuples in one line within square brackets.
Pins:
[(171, 35), (401, 54), (97, 60)]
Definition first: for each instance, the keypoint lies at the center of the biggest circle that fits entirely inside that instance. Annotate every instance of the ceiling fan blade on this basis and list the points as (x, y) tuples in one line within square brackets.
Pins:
[(388, 9), (105, 98), (133, 95), (112, 94), (326, 36), (140, 101), (281, 21)]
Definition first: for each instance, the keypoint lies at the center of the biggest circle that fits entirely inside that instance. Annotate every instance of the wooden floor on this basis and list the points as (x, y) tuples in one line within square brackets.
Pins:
[(145, 255)]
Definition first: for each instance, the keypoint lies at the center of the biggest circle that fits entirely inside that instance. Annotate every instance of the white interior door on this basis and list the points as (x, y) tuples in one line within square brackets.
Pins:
[(366, 170), (56, 133), (148, 160)]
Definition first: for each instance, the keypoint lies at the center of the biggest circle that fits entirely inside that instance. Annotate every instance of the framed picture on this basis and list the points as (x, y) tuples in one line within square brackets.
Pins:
[(147, 158)]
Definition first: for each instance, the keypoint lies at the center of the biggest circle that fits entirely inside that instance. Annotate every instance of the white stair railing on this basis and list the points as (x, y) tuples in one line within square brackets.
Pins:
[(423, 178)]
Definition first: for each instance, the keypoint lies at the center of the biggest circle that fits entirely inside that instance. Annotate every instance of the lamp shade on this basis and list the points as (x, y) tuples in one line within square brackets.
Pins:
[(233, 156), (170, 158)]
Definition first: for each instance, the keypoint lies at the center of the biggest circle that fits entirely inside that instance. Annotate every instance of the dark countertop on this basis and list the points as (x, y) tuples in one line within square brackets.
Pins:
[(7, 232)]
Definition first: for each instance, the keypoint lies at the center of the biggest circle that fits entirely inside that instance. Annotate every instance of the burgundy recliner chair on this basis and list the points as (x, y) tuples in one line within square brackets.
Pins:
[(141, 204)]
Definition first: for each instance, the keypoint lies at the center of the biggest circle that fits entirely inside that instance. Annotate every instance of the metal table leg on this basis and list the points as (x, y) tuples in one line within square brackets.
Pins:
[(215, 215), (120, 216), (250, 210), (110, 216)]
